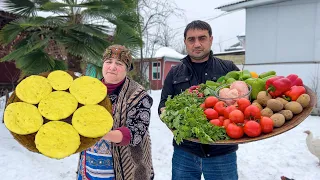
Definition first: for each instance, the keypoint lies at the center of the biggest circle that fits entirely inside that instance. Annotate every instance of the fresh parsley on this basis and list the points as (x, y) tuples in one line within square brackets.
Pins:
[(187, 120)]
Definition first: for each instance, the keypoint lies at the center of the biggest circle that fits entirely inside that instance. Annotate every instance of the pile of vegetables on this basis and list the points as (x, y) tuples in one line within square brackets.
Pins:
[(185, 117), (226, 109)]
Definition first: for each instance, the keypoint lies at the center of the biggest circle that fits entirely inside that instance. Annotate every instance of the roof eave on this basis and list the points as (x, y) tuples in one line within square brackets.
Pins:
[(247, 4), (166, 58)]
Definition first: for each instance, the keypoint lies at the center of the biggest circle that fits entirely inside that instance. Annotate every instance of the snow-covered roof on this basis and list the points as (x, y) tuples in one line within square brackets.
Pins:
[(246, 4), (169, 53), (229, 52), (242, 34)]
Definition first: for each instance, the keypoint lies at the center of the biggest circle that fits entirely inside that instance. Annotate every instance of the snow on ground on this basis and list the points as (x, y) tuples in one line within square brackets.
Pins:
[(286, 154)]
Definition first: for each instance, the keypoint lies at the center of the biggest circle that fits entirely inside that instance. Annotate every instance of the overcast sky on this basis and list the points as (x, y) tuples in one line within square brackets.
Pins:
[(224, 29)]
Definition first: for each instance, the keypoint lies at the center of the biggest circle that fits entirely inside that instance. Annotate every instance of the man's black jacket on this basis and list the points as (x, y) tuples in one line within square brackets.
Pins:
[(180, 78)]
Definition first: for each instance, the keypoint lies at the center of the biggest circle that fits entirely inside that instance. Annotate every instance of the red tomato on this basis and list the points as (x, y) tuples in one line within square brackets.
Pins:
[(211, 113), (228, 109), (236, 116), (221, 118), (210, 101), (243, 103), (203, 106), (220, 107), (266, 124), (252, 112), (234, 131), (216, 122), (226, 122), (252, 129)]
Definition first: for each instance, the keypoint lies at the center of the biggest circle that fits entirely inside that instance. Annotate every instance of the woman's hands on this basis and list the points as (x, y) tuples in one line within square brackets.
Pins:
[(114, 136)]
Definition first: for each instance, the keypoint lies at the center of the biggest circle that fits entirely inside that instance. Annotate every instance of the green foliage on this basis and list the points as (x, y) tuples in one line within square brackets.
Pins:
[(186, 119), (72, 28)]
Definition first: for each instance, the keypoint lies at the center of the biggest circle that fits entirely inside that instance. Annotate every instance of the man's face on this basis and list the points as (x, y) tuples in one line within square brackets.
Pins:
[(198, 44)]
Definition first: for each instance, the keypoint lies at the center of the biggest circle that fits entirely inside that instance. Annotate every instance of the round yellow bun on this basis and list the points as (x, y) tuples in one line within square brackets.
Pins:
[(22, 118), (58, 105), (88, 90), (60, 80), (57, 139), (33, 88), (92, 121)]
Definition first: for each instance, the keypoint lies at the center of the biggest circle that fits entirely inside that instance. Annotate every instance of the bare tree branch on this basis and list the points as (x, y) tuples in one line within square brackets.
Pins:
[(153, 15)]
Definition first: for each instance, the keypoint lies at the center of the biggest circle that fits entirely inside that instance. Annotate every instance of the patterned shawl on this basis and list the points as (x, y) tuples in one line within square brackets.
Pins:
[(132, 162)]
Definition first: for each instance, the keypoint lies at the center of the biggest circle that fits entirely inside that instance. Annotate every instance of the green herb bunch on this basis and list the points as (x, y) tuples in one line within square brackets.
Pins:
[(184, 116)]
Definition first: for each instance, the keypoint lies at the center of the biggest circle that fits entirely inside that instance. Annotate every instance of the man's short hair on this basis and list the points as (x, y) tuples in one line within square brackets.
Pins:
[(198, 24)]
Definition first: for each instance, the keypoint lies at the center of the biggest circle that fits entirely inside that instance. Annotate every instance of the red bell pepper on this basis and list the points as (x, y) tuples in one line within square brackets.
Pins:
[(295, 80), (295, 92), (278, 85)]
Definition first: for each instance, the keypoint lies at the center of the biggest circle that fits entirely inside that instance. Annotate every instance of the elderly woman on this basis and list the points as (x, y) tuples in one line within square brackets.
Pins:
[(125, 152)]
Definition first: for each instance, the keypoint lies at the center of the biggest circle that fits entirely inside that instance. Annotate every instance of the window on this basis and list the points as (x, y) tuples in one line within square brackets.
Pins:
[(156, 69)]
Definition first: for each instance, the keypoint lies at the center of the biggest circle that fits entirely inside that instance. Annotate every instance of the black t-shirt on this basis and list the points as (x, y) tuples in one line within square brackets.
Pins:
[(199, 70)]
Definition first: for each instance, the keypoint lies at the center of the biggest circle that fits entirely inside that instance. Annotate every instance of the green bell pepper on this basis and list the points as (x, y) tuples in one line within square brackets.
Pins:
[(257, 85), (212, 83), (245, 74), (265, 74), (230, 80), (221, 79), (232, 74)]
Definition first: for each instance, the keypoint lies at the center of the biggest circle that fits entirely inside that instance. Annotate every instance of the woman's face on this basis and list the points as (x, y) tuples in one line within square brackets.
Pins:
[(114, 71)]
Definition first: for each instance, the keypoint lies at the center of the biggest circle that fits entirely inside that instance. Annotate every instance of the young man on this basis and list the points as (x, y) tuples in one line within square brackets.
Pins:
[(190, 159)]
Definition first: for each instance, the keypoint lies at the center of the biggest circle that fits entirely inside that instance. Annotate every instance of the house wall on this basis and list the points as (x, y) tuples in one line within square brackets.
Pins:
[(156, 84), (167, 67), (237, 59), (283, 32)]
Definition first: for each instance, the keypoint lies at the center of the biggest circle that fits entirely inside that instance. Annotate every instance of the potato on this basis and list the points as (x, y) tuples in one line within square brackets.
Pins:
[(274, 105), (294, 107), (278, 119), (263, 98), (304, 100), (283, 101), (267, 112), (255, 101), (287, 114), (258, 105)]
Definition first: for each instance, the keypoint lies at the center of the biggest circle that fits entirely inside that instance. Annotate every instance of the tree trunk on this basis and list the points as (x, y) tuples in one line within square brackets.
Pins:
[(141, 64), (74, 63)]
